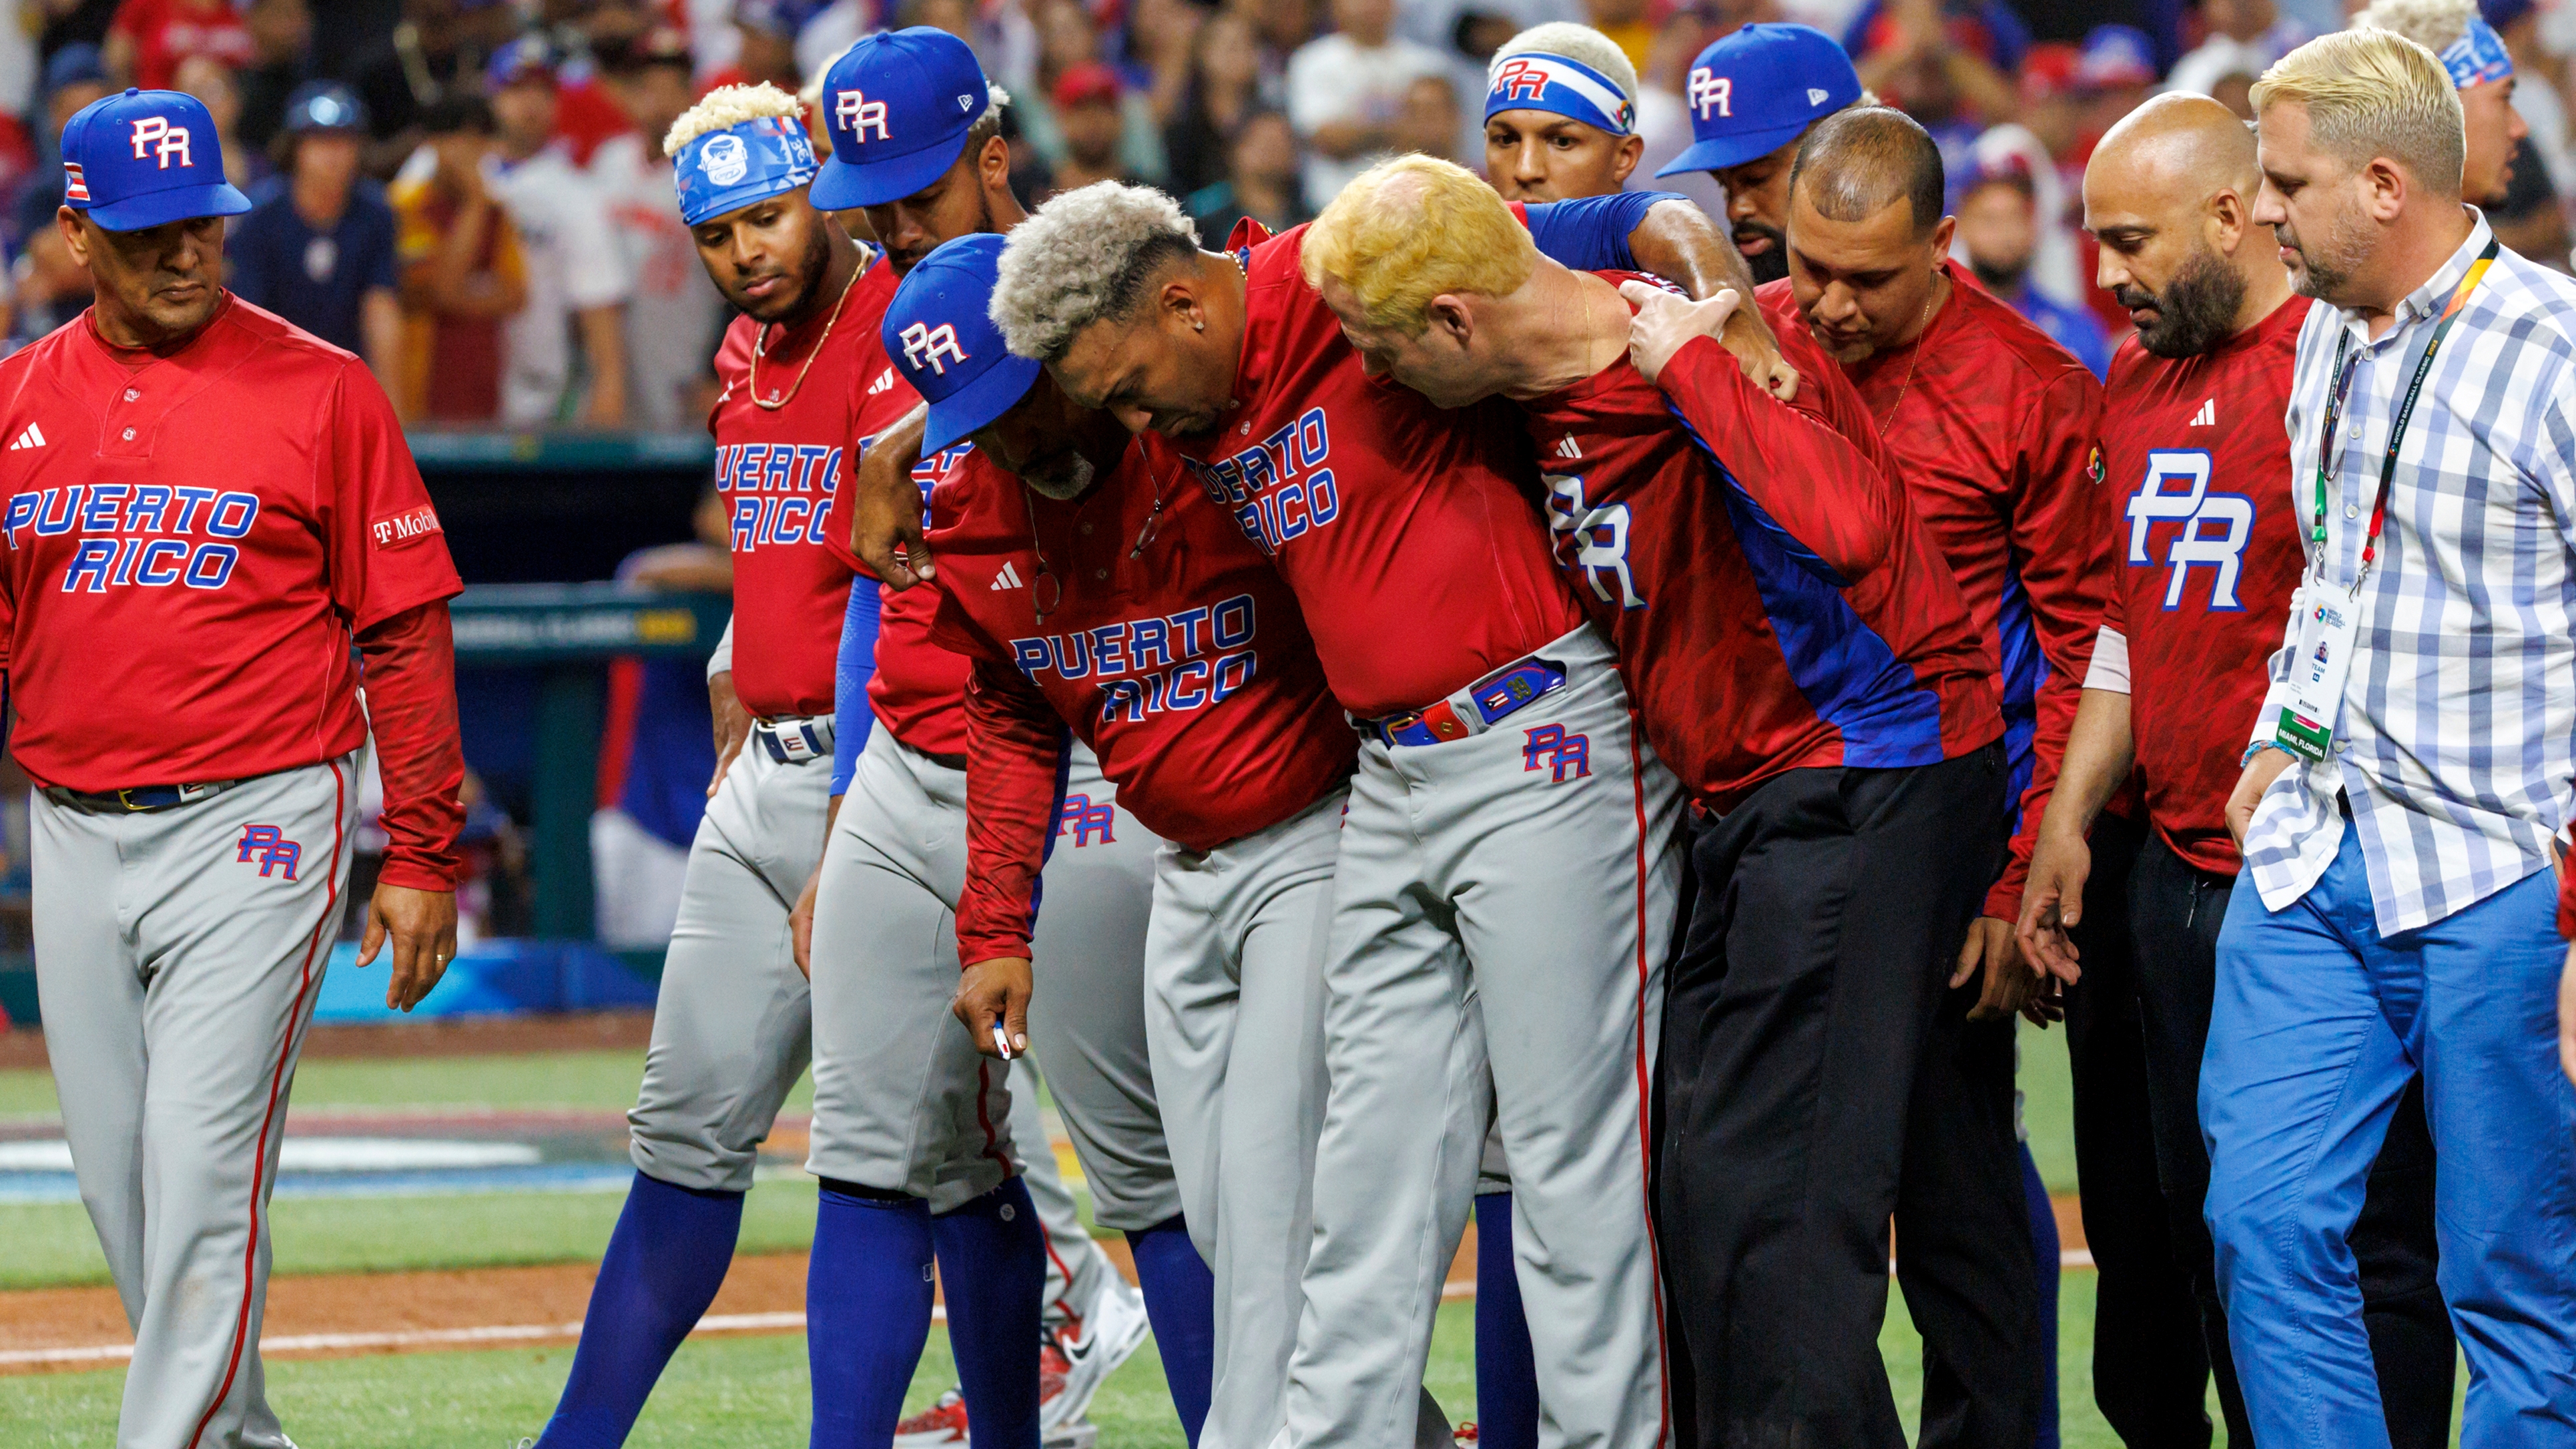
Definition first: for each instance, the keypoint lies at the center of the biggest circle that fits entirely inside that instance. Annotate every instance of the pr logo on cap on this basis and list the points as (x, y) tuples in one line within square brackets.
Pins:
[(855, 113), (1711, 91), (932, 347), (164, 138)]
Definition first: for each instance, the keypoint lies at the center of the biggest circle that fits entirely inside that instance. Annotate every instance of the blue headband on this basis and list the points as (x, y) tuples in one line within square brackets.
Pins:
[(2478, 56), (1534, 80), (743, 163)]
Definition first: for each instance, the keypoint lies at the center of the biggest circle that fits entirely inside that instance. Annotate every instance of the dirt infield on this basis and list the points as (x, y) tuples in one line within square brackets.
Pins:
[(343, 1314), (445, 1037)]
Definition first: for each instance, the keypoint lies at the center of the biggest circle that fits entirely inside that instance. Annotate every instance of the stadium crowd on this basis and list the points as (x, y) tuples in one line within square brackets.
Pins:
[(471, 193), (1891, 608)]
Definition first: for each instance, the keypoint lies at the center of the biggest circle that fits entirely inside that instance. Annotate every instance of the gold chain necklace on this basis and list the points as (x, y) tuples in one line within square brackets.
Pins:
[(760, 349), (1922, 338)]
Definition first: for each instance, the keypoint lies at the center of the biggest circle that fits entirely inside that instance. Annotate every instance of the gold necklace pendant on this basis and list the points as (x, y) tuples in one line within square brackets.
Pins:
[(760, 349)]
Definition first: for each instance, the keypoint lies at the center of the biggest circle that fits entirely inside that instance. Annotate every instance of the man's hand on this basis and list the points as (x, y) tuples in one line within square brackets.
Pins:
[(2009, 984), (2052, 904), (885, 522), (733, 725), (422, 926), (800, 923), (1748, 335), (995, 990), (2567, 1016), (2260, 772), (1664, 322)]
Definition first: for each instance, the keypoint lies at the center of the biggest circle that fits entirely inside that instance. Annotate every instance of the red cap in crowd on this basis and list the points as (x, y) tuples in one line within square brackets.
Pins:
[(1085, 83)]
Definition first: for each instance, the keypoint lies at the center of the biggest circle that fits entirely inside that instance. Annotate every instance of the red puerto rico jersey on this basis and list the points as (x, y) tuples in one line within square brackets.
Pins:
[(1996, 432), (1405, 530), (1185, 666), (1774, 600), (193, 541), (2206, 547), (918, 687)]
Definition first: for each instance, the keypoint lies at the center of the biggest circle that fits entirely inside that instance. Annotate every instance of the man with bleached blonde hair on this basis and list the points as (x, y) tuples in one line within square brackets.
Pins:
[(2409, 774), (1560, 114), (2480, 68), (1802, 660)]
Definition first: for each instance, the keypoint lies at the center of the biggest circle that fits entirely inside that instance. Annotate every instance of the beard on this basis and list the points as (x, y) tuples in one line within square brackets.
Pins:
[(2195, 312), (2326, 265), (1772, 262), (2002, 279), (1064, 477), (906, 258)]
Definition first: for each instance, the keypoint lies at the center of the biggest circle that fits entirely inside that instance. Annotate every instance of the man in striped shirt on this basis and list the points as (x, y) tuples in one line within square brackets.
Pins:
[(2409, 774)]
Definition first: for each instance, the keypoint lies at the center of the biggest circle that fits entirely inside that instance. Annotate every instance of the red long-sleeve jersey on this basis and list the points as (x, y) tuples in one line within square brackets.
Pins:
[(1403, 529), (2206, 538), (1773, 598), (1996, 432), (1168, 644)]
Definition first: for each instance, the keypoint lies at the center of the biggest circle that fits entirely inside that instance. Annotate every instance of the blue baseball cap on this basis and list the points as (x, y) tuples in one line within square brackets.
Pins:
[(143, 158), (938, 330), (1759, 89), (1536, 80), (746, 162), (897, 106), (526, 58)]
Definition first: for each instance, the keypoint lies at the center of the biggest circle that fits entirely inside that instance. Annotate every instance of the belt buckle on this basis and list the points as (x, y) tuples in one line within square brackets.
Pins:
[(125, 797)]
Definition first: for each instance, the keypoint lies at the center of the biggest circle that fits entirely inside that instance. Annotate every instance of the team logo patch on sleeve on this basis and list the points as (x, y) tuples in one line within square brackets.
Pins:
[(269, 847), (410, 526)]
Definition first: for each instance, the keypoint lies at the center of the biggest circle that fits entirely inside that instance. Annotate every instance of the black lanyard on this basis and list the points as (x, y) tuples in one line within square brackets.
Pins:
[(2346, 361)]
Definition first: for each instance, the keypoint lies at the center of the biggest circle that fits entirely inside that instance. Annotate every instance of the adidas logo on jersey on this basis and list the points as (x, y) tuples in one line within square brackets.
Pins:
[(884, 380), (1008, 578), (33, 437), (1566, 447), (2207, 417)]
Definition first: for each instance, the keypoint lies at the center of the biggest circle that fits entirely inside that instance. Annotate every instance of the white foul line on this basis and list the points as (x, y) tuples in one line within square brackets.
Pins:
[(424, 1338)]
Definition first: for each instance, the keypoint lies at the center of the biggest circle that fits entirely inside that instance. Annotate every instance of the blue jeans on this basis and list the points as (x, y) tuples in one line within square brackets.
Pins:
[(2319, 1024)]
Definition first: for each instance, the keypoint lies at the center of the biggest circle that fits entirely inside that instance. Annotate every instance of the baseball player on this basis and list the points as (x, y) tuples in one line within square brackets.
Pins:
[(1098, 589), (1804, 661), (1560, 121), (207, 509), (902, 1099), (2209, 554)]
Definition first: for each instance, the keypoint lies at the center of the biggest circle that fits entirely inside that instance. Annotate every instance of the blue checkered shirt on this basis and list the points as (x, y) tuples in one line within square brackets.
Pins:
[(2457, 741)]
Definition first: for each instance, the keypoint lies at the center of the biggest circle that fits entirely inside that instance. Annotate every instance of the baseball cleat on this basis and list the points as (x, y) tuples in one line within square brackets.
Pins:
[(943, 1423), (1115, 1328)]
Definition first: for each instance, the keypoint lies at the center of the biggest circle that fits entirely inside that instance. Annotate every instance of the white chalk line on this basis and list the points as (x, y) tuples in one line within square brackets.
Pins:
[(429, 1338)]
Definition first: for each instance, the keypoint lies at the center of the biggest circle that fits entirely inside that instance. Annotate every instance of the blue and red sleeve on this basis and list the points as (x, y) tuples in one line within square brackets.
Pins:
[(1017, 750)]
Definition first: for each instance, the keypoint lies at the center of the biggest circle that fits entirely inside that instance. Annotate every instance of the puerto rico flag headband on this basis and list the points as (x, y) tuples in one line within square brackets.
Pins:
[(2478, 56), (1536, 81), (746, 162)]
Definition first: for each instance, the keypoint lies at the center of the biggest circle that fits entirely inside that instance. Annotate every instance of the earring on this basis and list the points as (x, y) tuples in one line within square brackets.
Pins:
[(1198, 326)]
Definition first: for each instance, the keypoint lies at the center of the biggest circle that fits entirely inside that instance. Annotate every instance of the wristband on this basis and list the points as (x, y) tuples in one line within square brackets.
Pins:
[(2259, 746)]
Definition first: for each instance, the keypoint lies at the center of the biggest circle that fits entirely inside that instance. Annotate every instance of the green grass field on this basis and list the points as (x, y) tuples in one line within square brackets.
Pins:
[(721, 1392)]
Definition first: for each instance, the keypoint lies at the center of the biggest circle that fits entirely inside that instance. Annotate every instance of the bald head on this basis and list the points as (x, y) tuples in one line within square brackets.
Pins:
[(1856, 162), (2181, 147), (2170, 195)]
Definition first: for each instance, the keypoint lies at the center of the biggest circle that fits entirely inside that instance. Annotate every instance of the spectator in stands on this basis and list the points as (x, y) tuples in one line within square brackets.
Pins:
[(1262, 182), (462, 271), (318, 250), (436, 53), (1088, 101), (576, 274), (2050, 108), (1156, 43), (280, 32), (1068, 41), (47, 288), (74, 77), (2245, 37), (675, 314), (2114, 76), (1663, 112), (151, 37), (1947, 66), (768, 30), (1627, 24), (1346, 91), (211, 81), (1224, 88), (1284, 27), (1428, 119), (656, 752), (1998, 229)]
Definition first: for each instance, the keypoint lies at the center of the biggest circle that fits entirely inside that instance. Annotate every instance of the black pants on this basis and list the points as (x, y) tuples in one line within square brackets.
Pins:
[(2150, 1367), (1829, 911), (2175, 911)]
